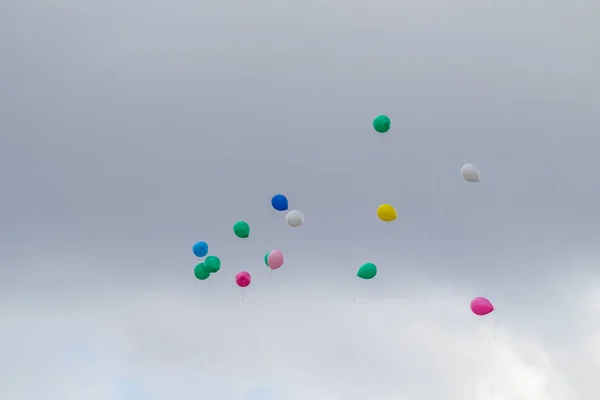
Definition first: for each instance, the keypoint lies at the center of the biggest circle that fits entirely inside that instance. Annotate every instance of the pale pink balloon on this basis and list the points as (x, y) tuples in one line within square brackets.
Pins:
[(243, 279), (275, 259), (481, 306)]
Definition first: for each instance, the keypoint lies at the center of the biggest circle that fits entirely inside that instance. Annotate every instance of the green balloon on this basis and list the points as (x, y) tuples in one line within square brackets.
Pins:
[(201, 272), (267, 258), (382, 124), (241, 229), (367, 271), (212, 264)]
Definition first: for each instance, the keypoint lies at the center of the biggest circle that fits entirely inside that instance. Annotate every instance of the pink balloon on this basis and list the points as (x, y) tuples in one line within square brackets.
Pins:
[(275, 259), (481, 306), (243, 279)]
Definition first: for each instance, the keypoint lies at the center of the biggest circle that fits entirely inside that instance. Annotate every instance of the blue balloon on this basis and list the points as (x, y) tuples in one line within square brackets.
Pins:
[(279, 202), (200, 249)]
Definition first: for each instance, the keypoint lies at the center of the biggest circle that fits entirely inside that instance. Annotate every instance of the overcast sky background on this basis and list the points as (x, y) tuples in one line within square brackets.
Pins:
[(131, 129)]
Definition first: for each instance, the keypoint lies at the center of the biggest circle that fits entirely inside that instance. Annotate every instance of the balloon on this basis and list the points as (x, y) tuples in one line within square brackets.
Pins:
[(201, 272), (382, 123), (267, 258), (367, 271), (212, 264), (241, 229), (294, 218), (200, 249), (481, 306), (386, 213), (243, 279), (279, 202), (275, 259), (470, 173)]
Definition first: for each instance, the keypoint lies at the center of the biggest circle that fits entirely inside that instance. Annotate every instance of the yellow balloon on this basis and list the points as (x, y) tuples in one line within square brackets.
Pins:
[(386, 213)]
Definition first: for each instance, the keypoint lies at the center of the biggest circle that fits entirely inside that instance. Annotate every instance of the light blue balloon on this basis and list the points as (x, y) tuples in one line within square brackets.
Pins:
[(200, 249)]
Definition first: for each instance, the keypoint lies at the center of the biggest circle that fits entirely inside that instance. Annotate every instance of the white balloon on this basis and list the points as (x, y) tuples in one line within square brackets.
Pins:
[(294, 218), (470, 173)]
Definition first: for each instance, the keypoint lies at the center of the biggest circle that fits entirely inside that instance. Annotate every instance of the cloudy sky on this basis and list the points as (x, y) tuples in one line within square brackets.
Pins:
[(130, 129)]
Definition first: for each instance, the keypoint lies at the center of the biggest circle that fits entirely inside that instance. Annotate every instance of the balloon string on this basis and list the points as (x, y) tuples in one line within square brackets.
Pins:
[(212, 287), (185, 295), (243, 295), (270, 274), (498, 312)]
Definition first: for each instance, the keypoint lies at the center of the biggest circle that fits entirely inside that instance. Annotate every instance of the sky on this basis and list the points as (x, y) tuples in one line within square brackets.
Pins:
[(131, 129)]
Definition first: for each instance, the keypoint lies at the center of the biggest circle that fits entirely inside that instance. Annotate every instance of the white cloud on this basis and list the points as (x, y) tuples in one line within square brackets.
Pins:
[(302, 345)]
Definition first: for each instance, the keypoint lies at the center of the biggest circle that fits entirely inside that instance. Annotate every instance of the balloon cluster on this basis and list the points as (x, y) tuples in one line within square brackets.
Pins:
[(211, 265), (274, 259)]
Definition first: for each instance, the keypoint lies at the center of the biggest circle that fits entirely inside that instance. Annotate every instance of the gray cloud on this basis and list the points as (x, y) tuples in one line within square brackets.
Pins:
[(297, 344), (129, 130)]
